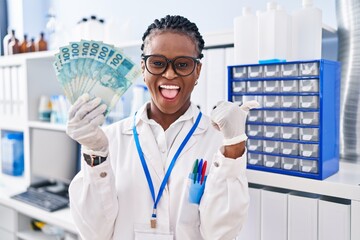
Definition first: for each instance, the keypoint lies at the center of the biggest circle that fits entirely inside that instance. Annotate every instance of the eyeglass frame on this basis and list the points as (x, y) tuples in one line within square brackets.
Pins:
[(145, 57)]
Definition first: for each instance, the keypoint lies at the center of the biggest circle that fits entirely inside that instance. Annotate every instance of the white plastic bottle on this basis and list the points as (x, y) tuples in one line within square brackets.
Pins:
[(273, 34), (307, 32), (6, 41), (246, 37)]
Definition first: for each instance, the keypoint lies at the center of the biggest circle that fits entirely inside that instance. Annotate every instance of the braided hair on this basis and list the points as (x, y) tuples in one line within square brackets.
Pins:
[(176, 24)]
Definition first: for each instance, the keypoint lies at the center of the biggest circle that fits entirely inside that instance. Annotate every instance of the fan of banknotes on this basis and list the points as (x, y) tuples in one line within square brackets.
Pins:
[(93, 67)]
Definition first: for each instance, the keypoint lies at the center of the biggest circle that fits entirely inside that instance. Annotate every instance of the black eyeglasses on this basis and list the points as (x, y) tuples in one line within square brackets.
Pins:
[(182, 65)]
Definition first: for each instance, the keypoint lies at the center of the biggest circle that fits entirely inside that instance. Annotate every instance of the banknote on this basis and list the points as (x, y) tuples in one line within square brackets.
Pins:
[(94, 67)]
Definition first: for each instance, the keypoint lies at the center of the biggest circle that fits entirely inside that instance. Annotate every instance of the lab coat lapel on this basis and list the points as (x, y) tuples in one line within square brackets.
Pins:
[(151, 152)]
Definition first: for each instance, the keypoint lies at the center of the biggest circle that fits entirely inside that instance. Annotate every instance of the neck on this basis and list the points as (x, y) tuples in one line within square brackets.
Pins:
[(165, 119)]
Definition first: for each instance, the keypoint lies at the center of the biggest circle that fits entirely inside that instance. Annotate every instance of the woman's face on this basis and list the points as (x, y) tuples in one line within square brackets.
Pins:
[(170, 92)]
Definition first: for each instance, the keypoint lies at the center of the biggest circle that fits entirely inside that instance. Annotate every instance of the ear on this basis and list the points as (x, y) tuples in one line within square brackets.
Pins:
[(142, 67)]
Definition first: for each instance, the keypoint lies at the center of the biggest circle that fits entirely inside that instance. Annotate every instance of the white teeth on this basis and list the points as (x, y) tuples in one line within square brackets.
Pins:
[(169, 86)]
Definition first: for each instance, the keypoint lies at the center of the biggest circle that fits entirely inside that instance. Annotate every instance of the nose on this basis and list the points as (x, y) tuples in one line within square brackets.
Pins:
[(169, 72)]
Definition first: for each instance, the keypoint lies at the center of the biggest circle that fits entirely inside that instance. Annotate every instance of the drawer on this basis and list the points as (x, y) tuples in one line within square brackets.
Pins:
[(7, 219), (272, 71), (309, 85), (255, 159), (289, 133), (255, 130), (290, 86), (309, 134), (272, 101), (308, 166), (255, 116), (289, 117), (239, 87), (272, 86), (309, 69), (309, 118), (272, 161), (309, 150), (289, 70), (289, 163), (254, 86), (289, 101), (289, 148), (255, 71), (239, 72), (254, 145), (272, 116), (271, 147), (309, 102), (271, 131)]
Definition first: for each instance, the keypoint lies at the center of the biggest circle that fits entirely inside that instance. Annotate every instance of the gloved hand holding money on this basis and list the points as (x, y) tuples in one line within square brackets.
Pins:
[(96, 68)]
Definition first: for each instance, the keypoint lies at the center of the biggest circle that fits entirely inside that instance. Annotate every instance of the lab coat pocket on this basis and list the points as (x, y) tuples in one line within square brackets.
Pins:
[(196, 190), (189, 215), (189, 211)]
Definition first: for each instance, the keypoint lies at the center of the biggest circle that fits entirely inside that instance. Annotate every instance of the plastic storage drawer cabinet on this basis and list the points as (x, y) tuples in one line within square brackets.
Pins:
[(296, 129)]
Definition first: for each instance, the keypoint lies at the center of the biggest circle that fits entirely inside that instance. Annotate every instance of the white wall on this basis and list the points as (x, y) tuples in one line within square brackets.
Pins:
[(133, 17), (210, 16)]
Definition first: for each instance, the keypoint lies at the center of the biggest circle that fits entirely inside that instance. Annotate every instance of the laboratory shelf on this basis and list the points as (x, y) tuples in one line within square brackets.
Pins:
[(344, 184)]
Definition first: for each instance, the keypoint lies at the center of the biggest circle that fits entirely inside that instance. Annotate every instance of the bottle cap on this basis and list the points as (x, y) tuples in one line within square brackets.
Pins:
[(271, 5), (307, 3), (246, 11)]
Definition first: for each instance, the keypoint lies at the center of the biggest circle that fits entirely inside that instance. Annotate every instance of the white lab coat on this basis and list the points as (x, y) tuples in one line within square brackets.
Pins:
[(109, 200)]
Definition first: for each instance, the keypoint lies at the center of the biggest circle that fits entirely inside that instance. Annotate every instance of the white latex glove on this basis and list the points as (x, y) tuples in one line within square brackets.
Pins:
[(85, 118), (230, 119)]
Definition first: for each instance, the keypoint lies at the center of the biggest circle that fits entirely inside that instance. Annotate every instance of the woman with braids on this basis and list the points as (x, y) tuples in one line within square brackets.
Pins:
[(140, 177)]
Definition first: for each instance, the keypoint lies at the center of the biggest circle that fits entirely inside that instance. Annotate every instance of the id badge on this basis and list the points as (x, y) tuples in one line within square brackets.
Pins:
[(145, 232)]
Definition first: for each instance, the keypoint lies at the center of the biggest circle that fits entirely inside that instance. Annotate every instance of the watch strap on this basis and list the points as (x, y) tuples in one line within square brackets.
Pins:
[(93, 160)]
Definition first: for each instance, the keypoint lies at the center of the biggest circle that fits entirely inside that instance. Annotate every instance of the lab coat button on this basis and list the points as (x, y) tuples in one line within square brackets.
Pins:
[(103, 174), (216, 164)]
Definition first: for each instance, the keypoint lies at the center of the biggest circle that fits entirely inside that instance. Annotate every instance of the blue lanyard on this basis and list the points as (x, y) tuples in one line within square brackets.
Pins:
[(171, 166)]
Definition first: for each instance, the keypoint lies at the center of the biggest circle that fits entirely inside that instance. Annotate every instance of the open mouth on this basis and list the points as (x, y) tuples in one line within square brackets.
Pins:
[(169, 91)]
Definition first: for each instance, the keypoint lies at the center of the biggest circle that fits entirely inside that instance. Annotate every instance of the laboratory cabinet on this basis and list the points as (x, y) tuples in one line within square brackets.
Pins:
[(288, 207), (295, 130)]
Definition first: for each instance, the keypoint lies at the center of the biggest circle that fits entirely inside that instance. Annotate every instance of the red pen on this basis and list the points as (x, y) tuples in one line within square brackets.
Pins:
[(203, 171)]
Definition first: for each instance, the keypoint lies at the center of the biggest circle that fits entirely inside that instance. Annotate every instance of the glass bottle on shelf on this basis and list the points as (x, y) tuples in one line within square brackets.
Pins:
[(13, 45), (23, 45), (31, 45), (41, 44)]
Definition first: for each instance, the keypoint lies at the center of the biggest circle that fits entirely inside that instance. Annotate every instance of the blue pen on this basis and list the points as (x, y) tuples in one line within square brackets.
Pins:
[(199, 170)]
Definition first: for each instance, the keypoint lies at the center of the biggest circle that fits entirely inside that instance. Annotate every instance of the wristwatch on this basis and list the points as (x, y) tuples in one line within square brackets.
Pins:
[(93, 160)]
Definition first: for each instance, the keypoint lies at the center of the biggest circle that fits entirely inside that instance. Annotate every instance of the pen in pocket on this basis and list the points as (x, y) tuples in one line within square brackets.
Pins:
[(203, 172), (195, 169), (199, 171)]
